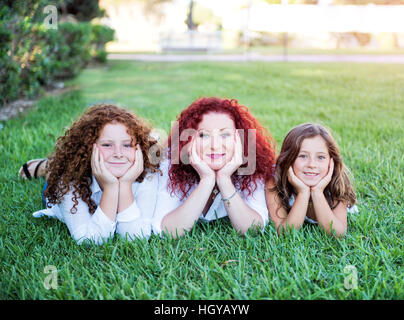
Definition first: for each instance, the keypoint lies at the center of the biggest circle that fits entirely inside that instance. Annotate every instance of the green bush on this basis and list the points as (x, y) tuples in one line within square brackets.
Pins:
[(9, 69), (73, 52), (100, 35), (32, 56)]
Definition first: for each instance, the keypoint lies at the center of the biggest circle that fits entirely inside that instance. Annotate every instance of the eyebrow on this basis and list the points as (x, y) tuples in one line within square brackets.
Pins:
[(214, 129), (110, 140), (320, 152)]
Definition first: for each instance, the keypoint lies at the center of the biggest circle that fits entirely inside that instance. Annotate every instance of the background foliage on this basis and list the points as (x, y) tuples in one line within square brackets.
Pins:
[(33, 56)]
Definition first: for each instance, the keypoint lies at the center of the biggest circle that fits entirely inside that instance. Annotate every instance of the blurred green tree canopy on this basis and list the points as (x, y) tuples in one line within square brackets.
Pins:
[(34, 55), (81, 10)]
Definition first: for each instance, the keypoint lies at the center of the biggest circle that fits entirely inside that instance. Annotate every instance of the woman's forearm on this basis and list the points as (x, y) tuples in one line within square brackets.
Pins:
[(184, 217), (241, 216)]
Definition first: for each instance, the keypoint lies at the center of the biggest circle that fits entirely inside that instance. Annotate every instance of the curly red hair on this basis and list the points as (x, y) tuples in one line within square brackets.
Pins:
[(183, 176), (69, 166)]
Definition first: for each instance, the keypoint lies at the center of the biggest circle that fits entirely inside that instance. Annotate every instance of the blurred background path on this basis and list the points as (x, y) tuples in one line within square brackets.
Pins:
[(257, 57)]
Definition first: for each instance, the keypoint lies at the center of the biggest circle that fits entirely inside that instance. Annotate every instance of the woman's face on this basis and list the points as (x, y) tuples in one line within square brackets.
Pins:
[(311, 164), (116, 149), (215, 139)]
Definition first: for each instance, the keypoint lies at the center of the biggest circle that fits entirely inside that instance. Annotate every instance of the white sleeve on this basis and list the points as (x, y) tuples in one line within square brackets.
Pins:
[(257, 202), (135, 221), (165, 202), (86, 226)]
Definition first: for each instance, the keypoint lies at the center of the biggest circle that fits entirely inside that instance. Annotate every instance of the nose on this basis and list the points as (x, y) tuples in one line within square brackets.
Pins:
[(215, 143), (311, 163), (118, 151)]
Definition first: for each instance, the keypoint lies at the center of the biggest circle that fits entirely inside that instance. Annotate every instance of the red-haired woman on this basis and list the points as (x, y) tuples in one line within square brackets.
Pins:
[(210, 173), (100, 180)]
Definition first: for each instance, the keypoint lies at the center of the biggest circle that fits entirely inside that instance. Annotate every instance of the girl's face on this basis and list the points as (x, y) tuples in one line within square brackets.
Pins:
[(215, 139), (116, 149), (311, 164)]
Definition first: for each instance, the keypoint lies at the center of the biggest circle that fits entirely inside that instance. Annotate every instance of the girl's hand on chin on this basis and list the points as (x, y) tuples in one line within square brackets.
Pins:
[(322, 184), (104, 177), (298, 184)]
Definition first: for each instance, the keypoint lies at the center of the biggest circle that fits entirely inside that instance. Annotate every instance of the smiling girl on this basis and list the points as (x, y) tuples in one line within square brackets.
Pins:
[(202, 181), (99, 179), (311, 182)]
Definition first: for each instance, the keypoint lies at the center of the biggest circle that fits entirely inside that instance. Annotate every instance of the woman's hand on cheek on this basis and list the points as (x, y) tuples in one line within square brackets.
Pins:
[(235, 162), (298, 184), (201, 167), (104, 177), (135, 170), (322, 184)]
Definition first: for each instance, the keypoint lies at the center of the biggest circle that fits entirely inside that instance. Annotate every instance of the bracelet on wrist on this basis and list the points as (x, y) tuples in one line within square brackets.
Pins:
[(227, 201)]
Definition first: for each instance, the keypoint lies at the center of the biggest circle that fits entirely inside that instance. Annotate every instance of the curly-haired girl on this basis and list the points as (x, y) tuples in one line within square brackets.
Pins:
[(100, 179), (206, 176), (311, 182)]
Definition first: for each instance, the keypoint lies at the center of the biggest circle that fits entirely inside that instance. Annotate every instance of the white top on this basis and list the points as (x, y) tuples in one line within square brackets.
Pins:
[(167, 203), (135, 221), (353, 209)]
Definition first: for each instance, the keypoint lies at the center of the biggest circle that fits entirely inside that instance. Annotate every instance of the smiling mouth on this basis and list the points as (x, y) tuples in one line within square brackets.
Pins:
[(215, 156), (311, 174), (116, 163)]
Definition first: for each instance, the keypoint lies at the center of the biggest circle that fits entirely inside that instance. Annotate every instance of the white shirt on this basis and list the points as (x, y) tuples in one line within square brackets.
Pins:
[(167, 202), (134, 221)]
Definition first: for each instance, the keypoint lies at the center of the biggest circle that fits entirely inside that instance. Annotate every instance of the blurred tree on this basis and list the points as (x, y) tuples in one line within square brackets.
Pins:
[(32, 10), (81, 10), (199, 14), (190, 20)]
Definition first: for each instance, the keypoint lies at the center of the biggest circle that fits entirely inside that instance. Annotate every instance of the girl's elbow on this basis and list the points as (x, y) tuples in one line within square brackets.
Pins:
[(341, 233), (255, 226)]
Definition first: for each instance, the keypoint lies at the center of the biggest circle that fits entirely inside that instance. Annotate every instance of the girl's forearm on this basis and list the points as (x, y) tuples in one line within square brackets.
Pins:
[(126, 198), (109, 201), (325, 217), (298, 212)]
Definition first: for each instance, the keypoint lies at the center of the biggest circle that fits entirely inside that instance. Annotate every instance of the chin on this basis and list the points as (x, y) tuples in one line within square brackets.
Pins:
[(117, 173), (215, 166), (311, 183)]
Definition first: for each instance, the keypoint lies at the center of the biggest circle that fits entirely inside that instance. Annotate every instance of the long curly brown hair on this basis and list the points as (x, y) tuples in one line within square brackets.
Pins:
[(69, 166), (338, 189)]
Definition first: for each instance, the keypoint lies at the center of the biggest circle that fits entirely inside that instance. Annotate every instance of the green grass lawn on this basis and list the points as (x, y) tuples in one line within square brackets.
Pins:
[(363, 106)]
